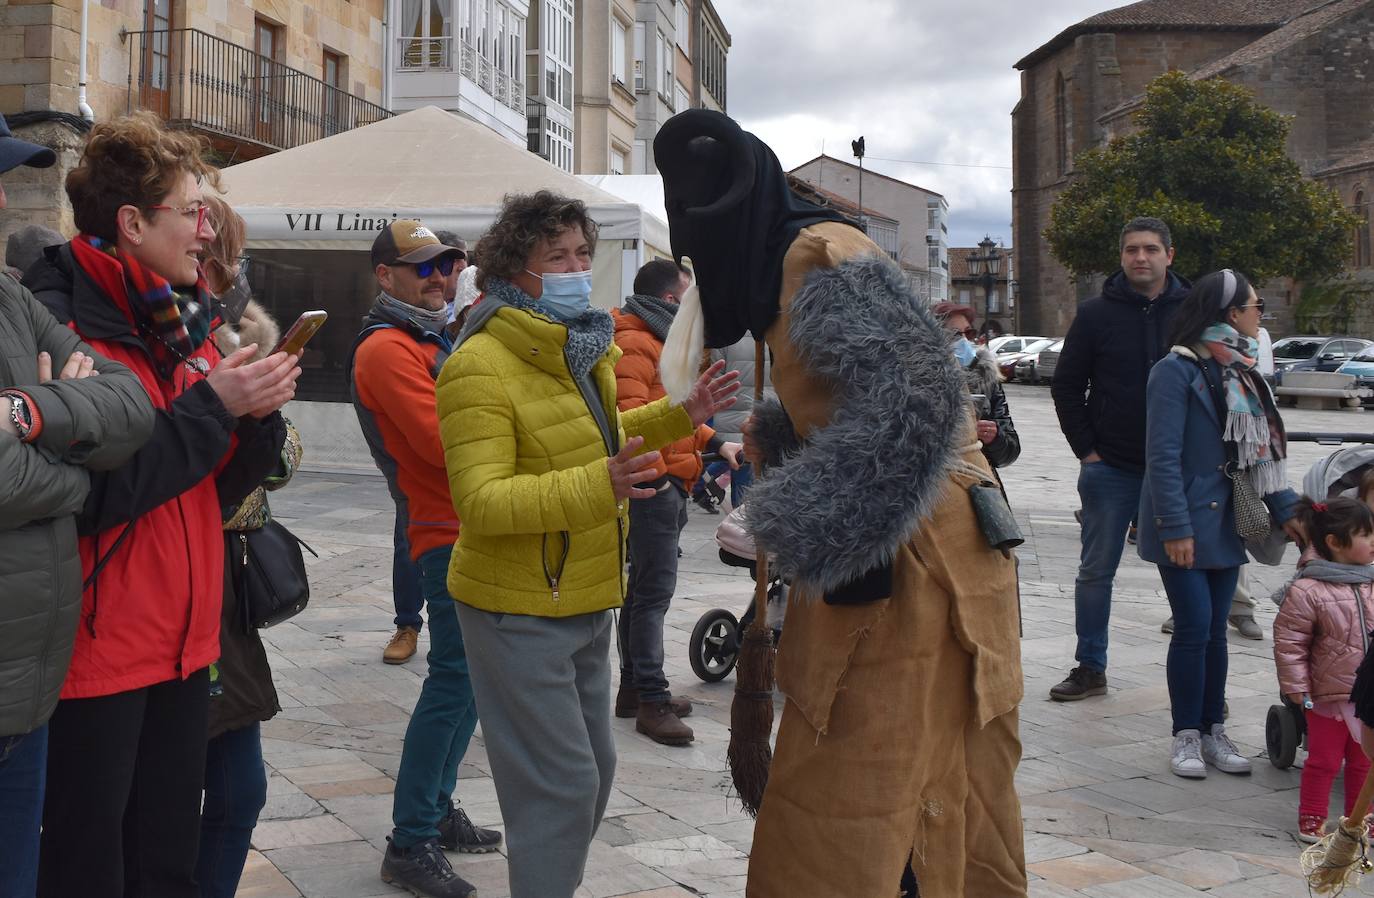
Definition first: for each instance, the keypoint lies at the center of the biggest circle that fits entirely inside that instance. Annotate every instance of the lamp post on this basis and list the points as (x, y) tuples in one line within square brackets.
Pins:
[(985, 268), (858, 147)]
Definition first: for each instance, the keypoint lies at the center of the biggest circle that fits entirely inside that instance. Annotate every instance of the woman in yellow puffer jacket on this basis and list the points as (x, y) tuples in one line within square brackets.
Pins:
[(541, 465)]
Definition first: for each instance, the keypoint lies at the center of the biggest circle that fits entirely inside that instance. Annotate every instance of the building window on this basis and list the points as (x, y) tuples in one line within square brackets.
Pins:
[(1061, 124), (639, 158), (157, 16), (641, 80), (683, 19), (932, 218), (337, 79), (1362, 249), (558, 52), (619, 38), (426, 31), (681, 99), (665, 65), (933, 257), (963, 297), (994, 303), (516, 38), (267, 44), (617, 161)]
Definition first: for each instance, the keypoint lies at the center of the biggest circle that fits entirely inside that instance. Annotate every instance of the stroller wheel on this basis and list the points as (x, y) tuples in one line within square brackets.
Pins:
[(1281, 736), (714, 646)]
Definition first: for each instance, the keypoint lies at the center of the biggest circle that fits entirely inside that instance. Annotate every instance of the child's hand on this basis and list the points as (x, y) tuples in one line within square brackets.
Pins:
[(1295, 698)]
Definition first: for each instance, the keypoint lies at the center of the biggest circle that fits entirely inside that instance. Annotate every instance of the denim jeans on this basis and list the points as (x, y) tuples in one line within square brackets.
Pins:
[(1196, 669), (235, 792), (444, 718), (655, 525), (405, 575), (23, 773), (1110, 497)]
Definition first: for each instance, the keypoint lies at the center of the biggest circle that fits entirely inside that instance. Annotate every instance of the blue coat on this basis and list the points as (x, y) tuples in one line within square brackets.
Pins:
[(1186, 491)]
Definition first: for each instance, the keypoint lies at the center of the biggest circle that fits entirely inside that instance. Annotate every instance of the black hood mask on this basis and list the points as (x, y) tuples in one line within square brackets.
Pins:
[(731, 212)]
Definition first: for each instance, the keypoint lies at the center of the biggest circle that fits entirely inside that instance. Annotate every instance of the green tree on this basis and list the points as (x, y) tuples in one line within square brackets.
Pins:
[(1210, 161)]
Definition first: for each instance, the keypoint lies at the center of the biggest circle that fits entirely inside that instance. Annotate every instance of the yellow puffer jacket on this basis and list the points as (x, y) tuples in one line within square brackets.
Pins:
[(542, 533)]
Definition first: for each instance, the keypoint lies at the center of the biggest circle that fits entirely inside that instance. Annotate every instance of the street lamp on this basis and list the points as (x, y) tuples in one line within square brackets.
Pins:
[(986, 267)]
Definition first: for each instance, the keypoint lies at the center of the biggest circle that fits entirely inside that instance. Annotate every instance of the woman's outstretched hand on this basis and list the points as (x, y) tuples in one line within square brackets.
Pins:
[(713, 392), (628, 469)]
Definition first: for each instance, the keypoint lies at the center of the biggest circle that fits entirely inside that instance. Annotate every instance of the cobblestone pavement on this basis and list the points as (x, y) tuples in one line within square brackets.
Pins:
[(1104, 817)]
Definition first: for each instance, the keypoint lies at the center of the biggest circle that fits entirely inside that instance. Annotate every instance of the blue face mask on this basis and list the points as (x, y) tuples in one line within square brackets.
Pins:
[(566, 294), (964, 351)]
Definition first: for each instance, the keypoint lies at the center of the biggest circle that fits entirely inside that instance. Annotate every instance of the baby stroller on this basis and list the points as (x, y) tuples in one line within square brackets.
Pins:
[(1285, 727), (715, 641)]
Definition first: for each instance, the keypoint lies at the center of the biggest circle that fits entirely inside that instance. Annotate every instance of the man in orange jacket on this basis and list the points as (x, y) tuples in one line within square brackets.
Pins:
[(641, 327)]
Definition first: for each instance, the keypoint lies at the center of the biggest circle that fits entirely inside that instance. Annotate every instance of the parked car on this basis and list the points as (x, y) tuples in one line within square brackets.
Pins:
[(1007, 362), (1003, 345), (1041, 370), (1362, 366), (1314, 353)]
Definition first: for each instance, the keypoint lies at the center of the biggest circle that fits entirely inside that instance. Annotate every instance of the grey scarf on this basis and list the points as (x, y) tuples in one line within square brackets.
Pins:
[(427, 319), (1335, 572), (656, 312), (589, 334)]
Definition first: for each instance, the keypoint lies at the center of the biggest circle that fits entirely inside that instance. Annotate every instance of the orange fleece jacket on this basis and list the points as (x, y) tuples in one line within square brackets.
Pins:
[(395, 375)]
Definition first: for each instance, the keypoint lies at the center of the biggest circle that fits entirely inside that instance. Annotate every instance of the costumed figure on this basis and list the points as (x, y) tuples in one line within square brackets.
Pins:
[(901, 664)]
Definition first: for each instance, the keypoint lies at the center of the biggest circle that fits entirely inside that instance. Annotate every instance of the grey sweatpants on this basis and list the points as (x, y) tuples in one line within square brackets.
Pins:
[(543, 690)]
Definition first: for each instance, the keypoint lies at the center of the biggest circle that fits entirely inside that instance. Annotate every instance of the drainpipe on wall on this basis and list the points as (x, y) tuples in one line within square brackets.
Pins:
[(81, 105), (386, 55)]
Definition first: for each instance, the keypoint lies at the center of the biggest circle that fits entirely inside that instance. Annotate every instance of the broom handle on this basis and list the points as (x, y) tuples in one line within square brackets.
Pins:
[(761, 557), (1365, 797)]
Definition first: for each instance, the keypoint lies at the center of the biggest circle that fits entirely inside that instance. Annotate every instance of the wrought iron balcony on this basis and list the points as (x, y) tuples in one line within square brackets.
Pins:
[(197, 80)]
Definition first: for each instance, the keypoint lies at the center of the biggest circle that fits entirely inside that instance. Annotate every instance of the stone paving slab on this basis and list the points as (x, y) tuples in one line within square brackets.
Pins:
[(1104, 817)]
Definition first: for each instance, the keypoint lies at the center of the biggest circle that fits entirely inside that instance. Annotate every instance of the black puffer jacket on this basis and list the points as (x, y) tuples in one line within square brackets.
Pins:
[(88, 424), (1099, 385), (983, 377)]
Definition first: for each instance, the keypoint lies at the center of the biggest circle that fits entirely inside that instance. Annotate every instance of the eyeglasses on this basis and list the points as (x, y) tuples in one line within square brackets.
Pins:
[(198, 211), (968, 333), (425, 269), (1257, 304)]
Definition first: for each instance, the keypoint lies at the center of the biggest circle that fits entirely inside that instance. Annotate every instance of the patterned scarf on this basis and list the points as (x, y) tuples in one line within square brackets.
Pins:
[(173, 322), (589, 334), (654, 311), (1252, 420)]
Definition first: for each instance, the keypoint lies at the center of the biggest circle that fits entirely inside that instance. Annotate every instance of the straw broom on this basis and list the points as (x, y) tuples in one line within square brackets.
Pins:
[(1340, 859), (751, 712)]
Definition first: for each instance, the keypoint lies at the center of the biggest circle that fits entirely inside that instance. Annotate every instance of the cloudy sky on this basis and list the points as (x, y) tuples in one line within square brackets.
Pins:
[(921, 80)]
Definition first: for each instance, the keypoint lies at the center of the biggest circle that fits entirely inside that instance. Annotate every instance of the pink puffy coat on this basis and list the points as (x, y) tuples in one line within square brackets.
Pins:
[(1319, 637)]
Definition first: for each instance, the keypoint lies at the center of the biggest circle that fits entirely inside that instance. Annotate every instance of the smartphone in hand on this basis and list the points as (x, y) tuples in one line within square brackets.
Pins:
[(301, 332)]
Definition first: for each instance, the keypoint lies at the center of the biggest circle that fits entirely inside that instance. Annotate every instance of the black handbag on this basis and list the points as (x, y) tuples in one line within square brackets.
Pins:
[(269, 574)]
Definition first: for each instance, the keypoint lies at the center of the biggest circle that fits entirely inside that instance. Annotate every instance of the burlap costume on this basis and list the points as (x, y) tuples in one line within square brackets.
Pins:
[(899, 737)]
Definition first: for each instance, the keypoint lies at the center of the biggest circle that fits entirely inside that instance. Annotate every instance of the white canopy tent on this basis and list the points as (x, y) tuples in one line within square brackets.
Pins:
[(431, 165)]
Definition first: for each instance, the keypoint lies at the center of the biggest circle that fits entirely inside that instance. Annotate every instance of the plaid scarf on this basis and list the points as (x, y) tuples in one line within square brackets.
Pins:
[(173, 322), (1252, 420)]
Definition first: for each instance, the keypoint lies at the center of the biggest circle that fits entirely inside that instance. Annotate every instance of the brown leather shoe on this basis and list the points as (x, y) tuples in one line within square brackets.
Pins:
[(402, 646), (659, 723), (627, 704)]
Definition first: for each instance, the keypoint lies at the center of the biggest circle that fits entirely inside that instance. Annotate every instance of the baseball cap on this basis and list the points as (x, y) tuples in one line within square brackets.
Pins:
[(15, 152), (406, 240)]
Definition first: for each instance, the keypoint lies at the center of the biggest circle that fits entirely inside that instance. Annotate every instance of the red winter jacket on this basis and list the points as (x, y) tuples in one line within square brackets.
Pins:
[(1319, 637), (152, 614)]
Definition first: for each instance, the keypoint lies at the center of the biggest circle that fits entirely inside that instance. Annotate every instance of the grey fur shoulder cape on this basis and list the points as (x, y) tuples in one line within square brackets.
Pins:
[(835, 509)]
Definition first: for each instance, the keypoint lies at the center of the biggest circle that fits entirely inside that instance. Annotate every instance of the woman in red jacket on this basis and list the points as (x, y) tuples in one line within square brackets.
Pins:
[(127, 742)]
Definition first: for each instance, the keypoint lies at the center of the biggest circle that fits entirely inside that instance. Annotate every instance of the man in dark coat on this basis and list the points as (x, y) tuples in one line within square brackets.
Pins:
[(1099, 395)]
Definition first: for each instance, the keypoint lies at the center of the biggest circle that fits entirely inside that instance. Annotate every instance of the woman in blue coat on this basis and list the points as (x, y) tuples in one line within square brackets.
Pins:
[(1206, 403)]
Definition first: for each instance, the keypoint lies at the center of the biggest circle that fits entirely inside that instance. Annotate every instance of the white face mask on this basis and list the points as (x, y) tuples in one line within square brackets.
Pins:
[(567, 294)]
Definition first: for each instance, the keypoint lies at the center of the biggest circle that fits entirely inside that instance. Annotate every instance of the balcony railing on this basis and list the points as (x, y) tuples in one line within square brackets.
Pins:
[(195, 79), (444, 54), (419, 54)]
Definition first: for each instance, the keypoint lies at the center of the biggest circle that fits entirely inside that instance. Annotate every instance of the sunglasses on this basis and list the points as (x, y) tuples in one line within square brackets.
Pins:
[(198, 211), (1257, 304), (968, 333), (425, 269)]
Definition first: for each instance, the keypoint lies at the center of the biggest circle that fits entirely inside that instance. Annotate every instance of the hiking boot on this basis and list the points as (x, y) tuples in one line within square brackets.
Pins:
[(458, 833), (1079, 684), (657, 721), (1187, 755), (1311, 828), (1168, 625), (425, 871), (627, 704), (401, 648), (1246, 626), (1219, 751)]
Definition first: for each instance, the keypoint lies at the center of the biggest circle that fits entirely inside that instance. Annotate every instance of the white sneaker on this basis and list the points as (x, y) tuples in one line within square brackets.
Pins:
[(1219, 751), (1187, 757)]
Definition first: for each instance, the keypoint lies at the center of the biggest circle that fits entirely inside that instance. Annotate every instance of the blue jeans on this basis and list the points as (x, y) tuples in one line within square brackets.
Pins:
[(444, 718), (235, 792), (740, 479), (1196, 669), (655, 525), (1110, 497), (23, 773), (405, 575)]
